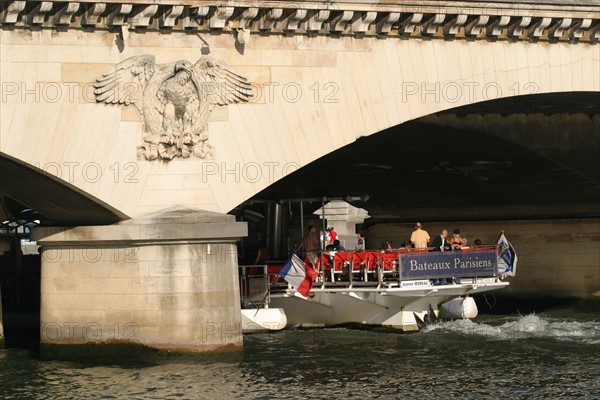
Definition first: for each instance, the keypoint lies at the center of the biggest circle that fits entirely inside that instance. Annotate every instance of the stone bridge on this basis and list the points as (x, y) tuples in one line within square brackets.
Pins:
[(115, 111)]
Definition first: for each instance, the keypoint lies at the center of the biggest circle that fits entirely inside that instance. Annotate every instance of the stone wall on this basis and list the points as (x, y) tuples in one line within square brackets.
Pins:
[(556, 258)]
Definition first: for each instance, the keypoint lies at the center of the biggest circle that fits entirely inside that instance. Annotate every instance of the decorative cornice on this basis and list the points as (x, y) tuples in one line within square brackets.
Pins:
[(547, 20)]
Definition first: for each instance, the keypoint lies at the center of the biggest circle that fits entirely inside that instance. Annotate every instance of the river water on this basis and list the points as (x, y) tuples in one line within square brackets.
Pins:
[(543, 356)]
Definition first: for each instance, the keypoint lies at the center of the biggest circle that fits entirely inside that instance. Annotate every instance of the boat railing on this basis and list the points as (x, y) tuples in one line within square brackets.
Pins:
[(254, 286), (384, 267), (373, 268), (357, 267)]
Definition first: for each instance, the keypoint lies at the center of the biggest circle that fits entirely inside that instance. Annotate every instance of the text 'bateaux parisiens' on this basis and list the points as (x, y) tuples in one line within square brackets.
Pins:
[(480, 262)]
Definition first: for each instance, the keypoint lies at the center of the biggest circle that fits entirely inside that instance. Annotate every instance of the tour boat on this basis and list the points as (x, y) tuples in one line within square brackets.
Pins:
[(396, 288)]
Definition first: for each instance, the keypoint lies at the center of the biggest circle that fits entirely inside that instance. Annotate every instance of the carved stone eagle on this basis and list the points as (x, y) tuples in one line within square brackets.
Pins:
[(174, 101)]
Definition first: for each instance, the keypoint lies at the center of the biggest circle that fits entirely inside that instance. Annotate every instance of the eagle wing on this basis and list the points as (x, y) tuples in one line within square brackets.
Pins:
[(126, 83), (218, 84)]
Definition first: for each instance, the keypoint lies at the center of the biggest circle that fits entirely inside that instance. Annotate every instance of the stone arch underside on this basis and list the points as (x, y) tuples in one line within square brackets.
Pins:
[(59, 203), (462, 167)]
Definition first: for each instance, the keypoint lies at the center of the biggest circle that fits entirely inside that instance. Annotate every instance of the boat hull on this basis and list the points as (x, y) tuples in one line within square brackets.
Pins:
[(401, 308)]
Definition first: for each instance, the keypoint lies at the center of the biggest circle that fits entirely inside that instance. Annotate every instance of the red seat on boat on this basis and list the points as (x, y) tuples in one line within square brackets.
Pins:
[(388, 261), (324, 262), (366, 259), (364, 262), (357, 262), (340, 260), (370, 259)]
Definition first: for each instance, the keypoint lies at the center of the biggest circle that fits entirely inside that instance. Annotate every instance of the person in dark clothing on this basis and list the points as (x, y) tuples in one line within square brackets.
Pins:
[(338, 246), (310, 245), (440, 243)]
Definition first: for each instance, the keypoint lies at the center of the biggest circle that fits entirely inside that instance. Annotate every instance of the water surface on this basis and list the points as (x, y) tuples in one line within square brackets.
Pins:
[(544, 356)]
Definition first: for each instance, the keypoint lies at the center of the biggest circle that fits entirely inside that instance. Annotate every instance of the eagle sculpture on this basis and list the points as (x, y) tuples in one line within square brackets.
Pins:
[(174, 101)]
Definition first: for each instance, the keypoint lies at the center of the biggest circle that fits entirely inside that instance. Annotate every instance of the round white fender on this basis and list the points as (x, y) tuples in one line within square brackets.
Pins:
[(459, 307), (263, 319)]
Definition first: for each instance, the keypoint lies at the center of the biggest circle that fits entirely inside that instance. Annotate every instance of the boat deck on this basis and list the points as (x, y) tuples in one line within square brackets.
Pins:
[(396, 272)]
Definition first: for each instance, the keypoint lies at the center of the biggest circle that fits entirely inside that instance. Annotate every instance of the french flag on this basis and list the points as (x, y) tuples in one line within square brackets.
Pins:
[(298, 274)]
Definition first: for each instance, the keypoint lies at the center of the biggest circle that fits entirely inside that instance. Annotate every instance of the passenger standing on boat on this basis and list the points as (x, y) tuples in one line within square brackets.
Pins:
[(324, 238), (439, 242), (457, 241), (420, 237), (360, 241), (310, 245), (333, 236)]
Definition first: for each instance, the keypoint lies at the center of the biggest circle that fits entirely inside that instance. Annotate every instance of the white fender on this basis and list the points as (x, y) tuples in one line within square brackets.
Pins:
[(459, 307), (263, 319)]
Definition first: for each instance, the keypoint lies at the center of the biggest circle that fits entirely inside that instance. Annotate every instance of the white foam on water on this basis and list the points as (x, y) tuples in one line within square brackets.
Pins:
[(524, 327)]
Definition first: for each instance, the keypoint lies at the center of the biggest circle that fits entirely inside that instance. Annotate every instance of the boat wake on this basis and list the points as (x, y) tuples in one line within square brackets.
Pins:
[(524, 327)]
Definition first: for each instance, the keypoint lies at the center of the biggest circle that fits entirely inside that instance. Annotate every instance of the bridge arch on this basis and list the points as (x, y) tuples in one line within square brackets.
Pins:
[(22, 186), (315, 94), (520, 157)]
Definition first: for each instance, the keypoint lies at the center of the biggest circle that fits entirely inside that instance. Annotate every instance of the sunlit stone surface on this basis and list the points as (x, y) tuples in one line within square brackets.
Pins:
[(167, 281)]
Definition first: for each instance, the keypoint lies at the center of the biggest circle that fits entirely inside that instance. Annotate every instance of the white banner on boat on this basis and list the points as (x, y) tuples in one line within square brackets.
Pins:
[(419, 283)]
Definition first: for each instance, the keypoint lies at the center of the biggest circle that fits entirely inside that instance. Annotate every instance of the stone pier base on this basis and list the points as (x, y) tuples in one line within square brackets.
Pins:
[(166, 282)]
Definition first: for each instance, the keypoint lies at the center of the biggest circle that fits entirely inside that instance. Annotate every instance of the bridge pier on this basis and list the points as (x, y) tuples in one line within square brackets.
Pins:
[(166, 282)]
